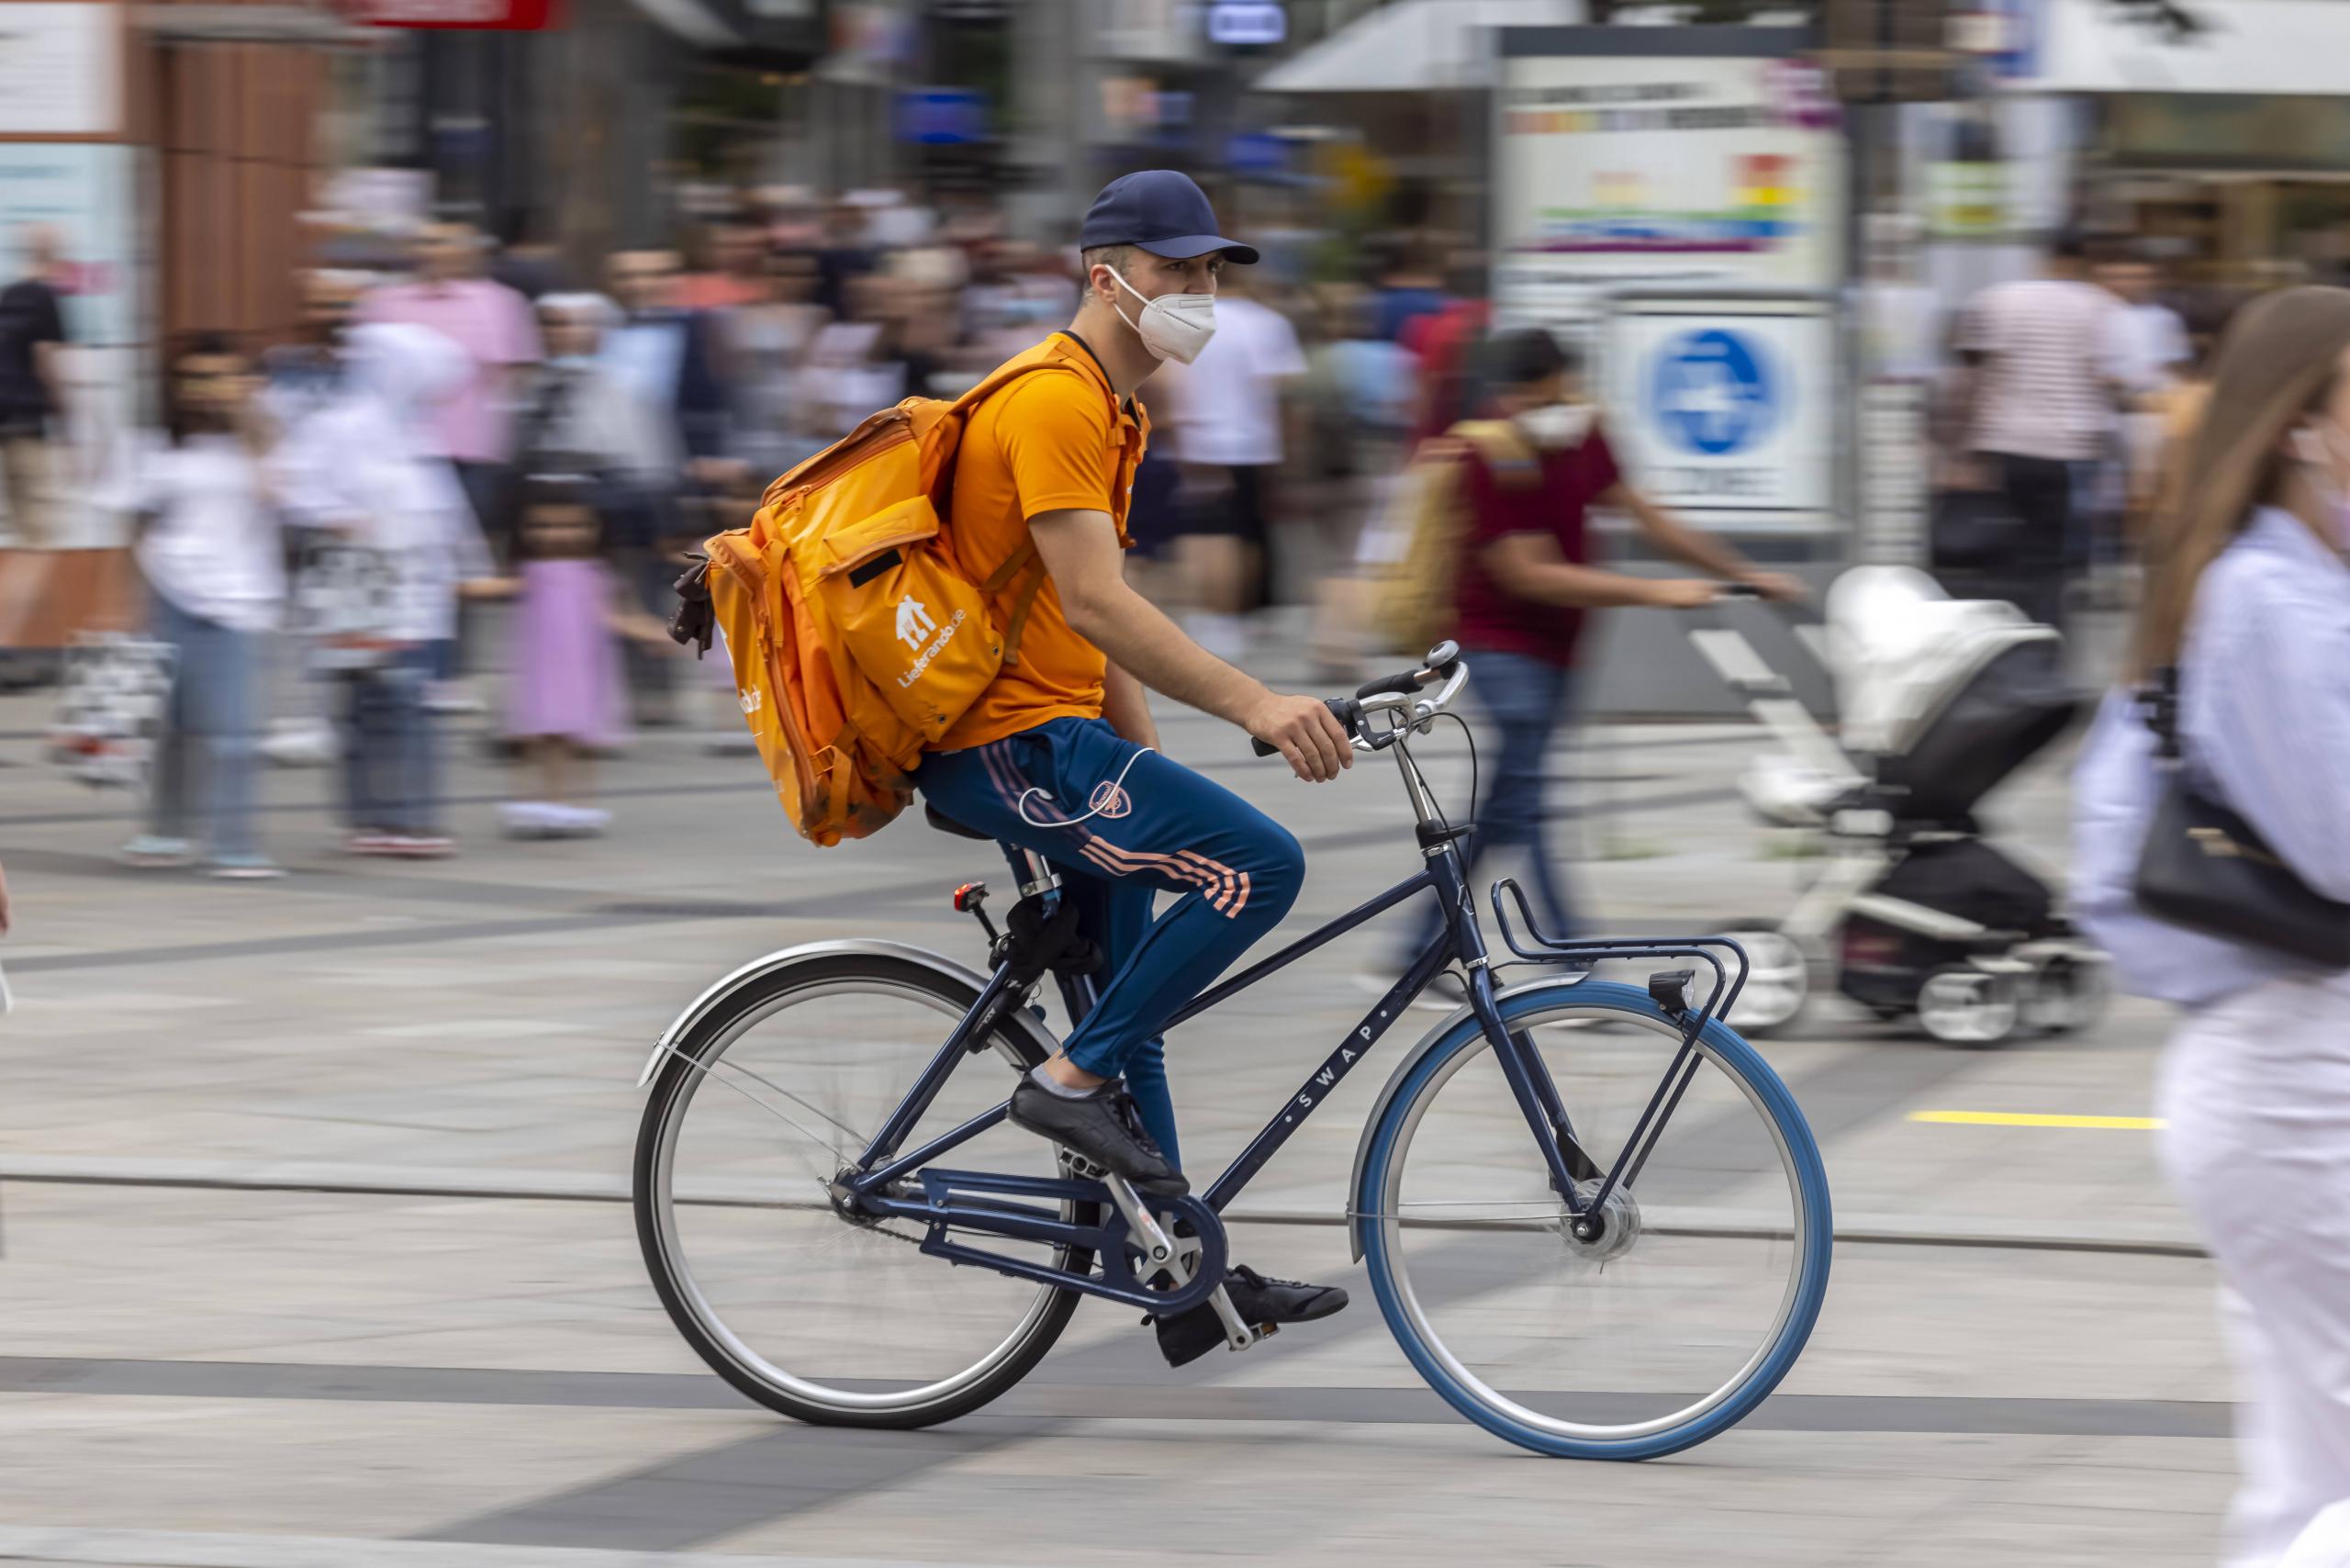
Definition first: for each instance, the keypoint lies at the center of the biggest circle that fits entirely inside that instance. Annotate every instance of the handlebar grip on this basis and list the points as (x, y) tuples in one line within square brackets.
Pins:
[(1737, 590), (1343, 708)]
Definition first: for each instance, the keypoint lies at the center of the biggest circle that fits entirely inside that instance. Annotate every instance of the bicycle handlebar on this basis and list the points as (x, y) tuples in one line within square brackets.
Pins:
[(1394, 693), (1346, 710)]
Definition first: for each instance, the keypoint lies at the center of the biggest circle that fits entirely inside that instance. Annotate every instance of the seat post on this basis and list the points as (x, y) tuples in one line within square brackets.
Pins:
[(1035, 873)]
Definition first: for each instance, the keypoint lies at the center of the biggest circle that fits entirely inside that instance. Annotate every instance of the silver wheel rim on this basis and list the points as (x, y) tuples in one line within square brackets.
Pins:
[(1974, 1013), (1778, 981), (680, 1272), (1424, 1330)]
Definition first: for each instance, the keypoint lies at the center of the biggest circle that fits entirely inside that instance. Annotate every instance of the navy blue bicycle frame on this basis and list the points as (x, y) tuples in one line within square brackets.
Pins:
[(1528, 1079)]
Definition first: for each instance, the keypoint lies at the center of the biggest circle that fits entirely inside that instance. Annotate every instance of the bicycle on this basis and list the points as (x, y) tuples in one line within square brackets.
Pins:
[(1632, 1279)]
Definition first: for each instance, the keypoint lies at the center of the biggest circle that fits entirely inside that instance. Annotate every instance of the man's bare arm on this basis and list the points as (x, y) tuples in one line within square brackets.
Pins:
[(1127, 704), (1531, 566), (1081, 552)]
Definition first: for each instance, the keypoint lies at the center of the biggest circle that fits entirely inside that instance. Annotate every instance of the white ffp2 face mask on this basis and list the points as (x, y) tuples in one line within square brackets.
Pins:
[(1174, 326)]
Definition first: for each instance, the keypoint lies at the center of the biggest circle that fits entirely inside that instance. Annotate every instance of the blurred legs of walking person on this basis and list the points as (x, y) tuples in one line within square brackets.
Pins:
[(2255, 1091), (2041, 490), (1221, 553), (25, 477), (206, 758), (1524, 699), (391, 767)]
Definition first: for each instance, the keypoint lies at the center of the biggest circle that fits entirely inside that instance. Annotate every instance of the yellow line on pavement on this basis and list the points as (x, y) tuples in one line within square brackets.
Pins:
[(2029, 1119)]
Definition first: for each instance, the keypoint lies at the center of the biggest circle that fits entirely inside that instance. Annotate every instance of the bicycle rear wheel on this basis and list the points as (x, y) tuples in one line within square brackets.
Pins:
[(833, 1319), (1706, 1275)]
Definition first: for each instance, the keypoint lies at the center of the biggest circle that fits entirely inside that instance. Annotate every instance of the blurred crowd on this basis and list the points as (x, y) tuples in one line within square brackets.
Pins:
[(480, 425), (2060, 411)]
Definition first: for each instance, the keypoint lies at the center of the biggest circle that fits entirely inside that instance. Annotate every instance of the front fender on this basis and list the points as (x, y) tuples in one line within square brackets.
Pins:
[(760, 969), (1509, 999)]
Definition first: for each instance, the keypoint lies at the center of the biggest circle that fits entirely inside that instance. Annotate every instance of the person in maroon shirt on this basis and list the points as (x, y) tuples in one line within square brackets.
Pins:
[(1529, 575)]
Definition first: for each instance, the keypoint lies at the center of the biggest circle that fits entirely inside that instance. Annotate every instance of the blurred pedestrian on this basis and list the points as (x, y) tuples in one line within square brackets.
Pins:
[(2248, 602), (1528, 577), (2153, 352), (2047, 380), (579, 417), (1231, 411), (493, 325), (473, 426), (1444, 345), (666, 353), (208, 543), (734, 270), (1360, 395), (32, 388), (846, 255), (2181, 406), (668, 357), (768, 343), (369, 467), (1409, 287), (565, 695), (305, 374)]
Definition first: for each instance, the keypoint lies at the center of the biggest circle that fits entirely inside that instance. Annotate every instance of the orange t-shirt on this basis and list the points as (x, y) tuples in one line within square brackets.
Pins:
[(1052, 441)]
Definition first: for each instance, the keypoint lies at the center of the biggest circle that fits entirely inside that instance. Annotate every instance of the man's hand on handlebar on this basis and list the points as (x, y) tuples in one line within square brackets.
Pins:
[(1305, 731)]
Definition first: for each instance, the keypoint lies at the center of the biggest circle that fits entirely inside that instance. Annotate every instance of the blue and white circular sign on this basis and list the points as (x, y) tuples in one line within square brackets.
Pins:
[(1712, 392)]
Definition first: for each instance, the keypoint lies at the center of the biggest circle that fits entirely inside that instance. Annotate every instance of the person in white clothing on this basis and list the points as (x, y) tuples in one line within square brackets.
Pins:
[(367, 464), (1229, 411), (209, 545), (2248, 600)]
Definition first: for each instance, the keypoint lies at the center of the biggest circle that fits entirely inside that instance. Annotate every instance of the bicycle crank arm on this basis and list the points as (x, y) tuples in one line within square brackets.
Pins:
[(1121, 1254)]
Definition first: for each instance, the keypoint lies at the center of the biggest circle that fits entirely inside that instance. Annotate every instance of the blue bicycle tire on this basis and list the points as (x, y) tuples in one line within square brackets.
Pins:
[(1373, 1217)]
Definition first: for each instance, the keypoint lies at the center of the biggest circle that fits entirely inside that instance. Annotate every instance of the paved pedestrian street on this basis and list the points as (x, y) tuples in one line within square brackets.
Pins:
[(316, 1252)]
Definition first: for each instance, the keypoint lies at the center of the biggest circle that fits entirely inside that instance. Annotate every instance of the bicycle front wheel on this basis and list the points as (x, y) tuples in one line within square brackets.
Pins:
[(834, 1318), (1708, 1266)]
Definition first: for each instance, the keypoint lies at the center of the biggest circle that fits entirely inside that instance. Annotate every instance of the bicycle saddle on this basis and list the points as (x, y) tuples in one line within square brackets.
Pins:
[(946, 824)]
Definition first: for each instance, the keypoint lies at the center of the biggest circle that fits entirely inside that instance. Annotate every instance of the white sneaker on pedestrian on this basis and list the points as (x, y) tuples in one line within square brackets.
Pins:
[(153, 852), (452, 696), (528, 819), (245, 869), (584, 822), (422, 845)]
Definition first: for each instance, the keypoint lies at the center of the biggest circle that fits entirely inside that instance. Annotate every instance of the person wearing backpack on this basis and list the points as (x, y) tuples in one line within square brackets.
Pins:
[(1507, 506), (1059, 753), (937, 602)]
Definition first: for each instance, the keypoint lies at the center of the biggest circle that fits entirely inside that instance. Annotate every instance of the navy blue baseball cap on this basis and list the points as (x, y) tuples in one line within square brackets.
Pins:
[(1160, 210)]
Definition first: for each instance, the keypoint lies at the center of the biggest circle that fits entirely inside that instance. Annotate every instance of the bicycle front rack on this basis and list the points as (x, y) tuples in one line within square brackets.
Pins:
[(1670, 991)]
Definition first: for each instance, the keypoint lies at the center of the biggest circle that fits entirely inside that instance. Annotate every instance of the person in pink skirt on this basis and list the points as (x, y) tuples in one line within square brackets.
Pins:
[(567, 696)]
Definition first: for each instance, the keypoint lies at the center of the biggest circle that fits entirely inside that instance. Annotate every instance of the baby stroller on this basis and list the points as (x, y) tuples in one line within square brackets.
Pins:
[(1913, 912)]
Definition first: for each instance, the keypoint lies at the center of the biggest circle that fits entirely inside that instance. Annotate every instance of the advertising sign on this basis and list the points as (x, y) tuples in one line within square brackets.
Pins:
[(1616, 169), (1724, 412), (61, 68)]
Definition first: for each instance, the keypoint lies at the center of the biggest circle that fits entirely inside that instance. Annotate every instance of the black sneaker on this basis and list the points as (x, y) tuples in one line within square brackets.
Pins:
[(1100, 1125), (1186, 1336)]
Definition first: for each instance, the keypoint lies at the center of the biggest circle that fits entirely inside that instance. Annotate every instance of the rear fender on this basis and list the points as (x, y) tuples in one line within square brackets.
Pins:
[(758, 970)]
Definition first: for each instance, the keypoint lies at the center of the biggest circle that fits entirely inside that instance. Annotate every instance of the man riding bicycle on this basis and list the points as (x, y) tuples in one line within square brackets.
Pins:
[(1059, 754)]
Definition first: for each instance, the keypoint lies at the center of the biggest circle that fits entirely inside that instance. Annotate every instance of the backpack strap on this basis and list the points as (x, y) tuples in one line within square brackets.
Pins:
[(1024, 558), (1506, 455)]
